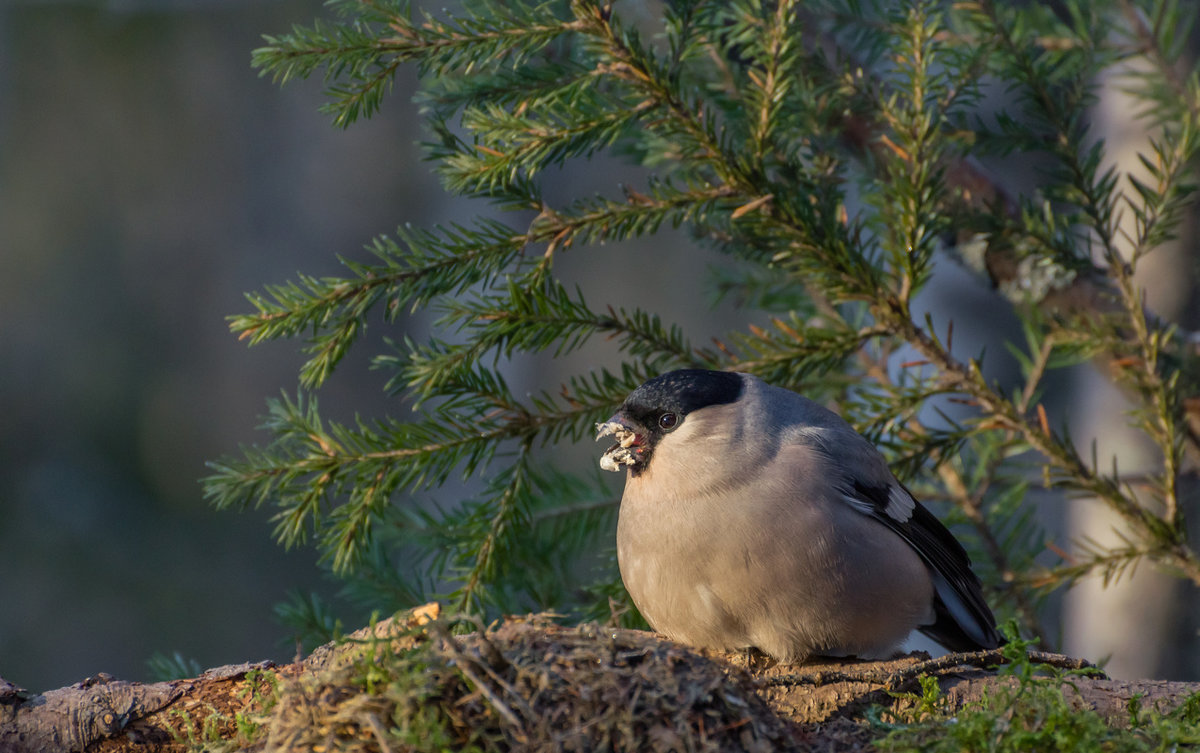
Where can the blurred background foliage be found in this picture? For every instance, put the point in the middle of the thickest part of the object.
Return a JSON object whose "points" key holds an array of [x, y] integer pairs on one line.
{"points": [[148, 179]]}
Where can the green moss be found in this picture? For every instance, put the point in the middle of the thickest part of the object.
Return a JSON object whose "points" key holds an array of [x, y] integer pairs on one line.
{"points": [[1032, 713]]}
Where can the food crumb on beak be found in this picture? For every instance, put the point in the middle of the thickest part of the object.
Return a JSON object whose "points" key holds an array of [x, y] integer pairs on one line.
{"points": [[624, 452]]}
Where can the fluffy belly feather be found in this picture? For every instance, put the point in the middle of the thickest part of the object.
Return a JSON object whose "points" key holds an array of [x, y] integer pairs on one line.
{"points": [[790, 598]]}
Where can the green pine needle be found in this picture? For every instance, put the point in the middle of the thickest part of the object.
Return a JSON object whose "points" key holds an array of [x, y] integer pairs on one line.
{"points": [[826, 151]]}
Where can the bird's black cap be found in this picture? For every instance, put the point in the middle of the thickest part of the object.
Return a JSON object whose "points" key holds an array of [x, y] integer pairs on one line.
{"points": [[684, 391]]}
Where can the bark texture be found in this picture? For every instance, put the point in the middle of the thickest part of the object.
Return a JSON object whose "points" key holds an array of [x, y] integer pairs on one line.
{"points": [[519, 675]]}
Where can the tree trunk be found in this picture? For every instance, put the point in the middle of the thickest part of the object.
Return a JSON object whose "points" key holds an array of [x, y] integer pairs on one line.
{"points": [[521, 676]]}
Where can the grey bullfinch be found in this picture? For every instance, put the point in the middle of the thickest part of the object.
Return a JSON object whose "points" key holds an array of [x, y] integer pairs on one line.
{"points": [[755, 518]]}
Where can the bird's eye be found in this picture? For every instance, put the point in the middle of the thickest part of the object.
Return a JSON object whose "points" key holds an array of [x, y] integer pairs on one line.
{"points": [[668, 421]]}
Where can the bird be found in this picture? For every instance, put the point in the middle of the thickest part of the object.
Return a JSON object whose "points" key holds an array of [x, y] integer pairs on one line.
{"points": [[754, 518]]}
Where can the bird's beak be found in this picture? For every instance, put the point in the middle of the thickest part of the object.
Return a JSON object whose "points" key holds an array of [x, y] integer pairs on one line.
{"points": [[630, 448]]}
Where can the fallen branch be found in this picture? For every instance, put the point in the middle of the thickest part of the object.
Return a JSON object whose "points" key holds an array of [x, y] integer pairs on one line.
{"points": [[525, 682]]}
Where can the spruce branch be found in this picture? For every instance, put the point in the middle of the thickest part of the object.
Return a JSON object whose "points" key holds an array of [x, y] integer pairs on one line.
{"points": [[827, 152], [506, 512], [780, 47], [790, 352], [1111, 563], [338, 479], [551, 317], [528, 320], [420, 266], [364, 53], [548, 86], [915, 186], [519, 146], [640, 213], [1160, 36], [1070, 469]]}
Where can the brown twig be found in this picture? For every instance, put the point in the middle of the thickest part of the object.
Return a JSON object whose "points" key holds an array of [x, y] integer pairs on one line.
{"points": [[895, 679]]}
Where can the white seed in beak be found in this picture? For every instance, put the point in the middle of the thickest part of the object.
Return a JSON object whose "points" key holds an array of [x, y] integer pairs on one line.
{"points": [[620, 453]]}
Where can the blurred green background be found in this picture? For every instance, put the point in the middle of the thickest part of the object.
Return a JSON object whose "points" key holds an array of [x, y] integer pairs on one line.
{"points": [[148, 178]]}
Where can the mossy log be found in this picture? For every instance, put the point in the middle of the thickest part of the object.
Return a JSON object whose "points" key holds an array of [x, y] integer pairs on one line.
{"points": [[523, 684]]}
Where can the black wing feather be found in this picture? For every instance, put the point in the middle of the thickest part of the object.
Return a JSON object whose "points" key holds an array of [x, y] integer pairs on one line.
{"points": [[946, 557]]}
